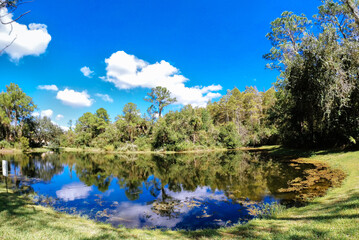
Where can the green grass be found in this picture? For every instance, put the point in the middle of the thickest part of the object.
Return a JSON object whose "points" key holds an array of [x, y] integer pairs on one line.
{"points": [[334, 216]]}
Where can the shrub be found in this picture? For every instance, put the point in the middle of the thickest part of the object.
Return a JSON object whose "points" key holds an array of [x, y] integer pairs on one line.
{"points": [[128, 147], [143, 144], [24, 143], [266, 210], [4, 144], [109, 148], [228, 136], [184, 146]]}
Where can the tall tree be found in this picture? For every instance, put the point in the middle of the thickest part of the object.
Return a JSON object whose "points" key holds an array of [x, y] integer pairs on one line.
{"points": [[131, 119], [318, 85], [16, 108], [159, 97]]}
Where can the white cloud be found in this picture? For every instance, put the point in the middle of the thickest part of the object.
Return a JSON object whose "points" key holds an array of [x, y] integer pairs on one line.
{"points": [[46, 113], [75, 99], [73, 191], [22, 40], [127, 71], [87, 72], [48, 87], [35, 114], [59, 117], [64, 128], [135, 215], [104, 97]]}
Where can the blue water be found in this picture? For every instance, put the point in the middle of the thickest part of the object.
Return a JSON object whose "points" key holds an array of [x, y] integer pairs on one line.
{"points": [[177, 192]]}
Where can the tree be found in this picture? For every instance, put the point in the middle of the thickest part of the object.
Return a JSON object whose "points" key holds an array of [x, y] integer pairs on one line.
{"points": [[102, 120], [318, 92], [131, 120], [131, 113], [45, 132], [159, 97], [15, 107]]}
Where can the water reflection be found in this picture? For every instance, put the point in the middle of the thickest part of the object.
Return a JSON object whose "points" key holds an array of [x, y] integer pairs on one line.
{"points": [[72, 191], [187, 191]]}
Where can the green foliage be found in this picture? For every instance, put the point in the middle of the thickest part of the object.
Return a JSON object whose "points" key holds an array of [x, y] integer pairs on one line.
{"points": [[318, 97], [41, 131], [159, 97], [228, 136], [24, 144], [127, 147], [143, 144], [109, 148], [68, 139], [238, 115], [250, 112], [5, 144], [267, 211], [15, 108]]}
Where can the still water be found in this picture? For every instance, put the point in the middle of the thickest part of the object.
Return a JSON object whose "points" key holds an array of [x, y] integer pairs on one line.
{"points": [[176, 191]]}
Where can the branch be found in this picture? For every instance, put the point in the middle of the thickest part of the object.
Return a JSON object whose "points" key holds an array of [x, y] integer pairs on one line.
{"points": [[354, 10], [15, 18], [2, 50]]}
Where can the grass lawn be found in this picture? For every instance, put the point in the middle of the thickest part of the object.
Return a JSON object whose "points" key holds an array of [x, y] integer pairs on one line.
{"points": [[334, 216]]}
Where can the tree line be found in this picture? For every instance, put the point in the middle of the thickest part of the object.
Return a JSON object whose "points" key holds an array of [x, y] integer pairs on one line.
{"points": [[238, 119]]}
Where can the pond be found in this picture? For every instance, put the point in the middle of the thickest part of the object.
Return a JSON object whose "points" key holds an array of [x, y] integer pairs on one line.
{"points": [[173, 191]]}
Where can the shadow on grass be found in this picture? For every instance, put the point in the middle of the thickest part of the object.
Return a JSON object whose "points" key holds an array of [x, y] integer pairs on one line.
{"points": [[19, 214], [12, 202]]}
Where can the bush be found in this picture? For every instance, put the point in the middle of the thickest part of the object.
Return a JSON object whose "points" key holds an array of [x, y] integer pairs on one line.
{"points": [[266, 210], [109, 148], [24, 143], [228, 136], [4, 144], [143, 144], [128, 147], [184, 146]]}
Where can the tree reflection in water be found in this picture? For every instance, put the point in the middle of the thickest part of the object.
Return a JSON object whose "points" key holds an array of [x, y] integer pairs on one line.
{"points": [[174, 186]]}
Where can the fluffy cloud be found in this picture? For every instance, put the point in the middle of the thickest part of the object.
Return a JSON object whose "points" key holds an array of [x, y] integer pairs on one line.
{"points": [[75, 99], [35, 114], [59, 117], [47, 113], [19, 40], [73, 191], [104, 97], [135, 215], [87, 72], [64, 128], [127, 71], [48, 87]]}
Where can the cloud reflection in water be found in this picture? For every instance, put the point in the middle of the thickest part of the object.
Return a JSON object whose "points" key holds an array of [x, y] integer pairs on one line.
{"points": [[73, 191], [135, 215]]}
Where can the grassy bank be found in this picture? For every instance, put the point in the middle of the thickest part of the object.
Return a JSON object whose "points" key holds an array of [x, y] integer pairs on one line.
{"points": [[334, 216]]}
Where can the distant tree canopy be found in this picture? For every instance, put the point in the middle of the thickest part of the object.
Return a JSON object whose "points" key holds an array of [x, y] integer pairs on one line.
{"points": [[239, 118]]}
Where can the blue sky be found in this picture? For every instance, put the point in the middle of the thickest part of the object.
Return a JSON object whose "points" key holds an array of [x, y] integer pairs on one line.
{"points": [[201, 43]]}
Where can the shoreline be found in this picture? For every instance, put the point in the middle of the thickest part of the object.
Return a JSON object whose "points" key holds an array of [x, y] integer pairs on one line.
{"points": [[98, 150]]}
